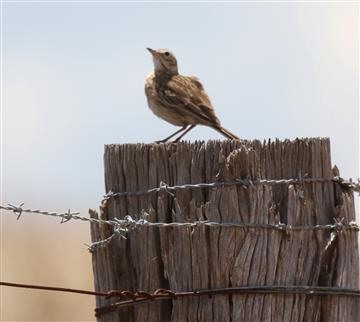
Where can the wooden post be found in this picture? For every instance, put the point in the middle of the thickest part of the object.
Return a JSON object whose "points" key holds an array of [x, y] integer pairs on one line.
{"points": [[186, 259]]}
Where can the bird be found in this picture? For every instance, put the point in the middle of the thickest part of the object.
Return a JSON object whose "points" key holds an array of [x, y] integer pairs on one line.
{"points": [[177, 99]]}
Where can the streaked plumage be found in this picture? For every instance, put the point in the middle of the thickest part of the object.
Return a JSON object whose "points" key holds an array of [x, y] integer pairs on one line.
{"points": [[179, 100]]}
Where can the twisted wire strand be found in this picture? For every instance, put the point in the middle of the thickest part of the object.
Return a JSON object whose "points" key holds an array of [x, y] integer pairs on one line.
{"points": [[128, 224], [133, 298], [65, 216], [129, 298], [163, 187], [123, 226]]}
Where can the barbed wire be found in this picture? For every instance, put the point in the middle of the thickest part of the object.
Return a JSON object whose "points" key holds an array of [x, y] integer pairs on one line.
{"points": [[128, 224], [123, 226], [65, 216], [163, 187], [129, 298]]}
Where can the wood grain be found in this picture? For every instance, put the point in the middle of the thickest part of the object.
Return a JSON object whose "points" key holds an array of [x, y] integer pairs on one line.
{"points": [[185, 259]]}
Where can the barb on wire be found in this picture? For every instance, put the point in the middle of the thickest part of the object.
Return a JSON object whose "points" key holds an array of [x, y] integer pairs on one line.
{"points": [[66, 216], [118, 231], [349, 184], [128, 224], [17, 210], [163, 187]]}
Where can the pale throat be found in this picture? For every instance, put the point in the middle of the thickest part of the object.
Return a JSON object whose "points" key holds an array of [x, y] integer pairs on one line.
{"points": [[161, 68]]}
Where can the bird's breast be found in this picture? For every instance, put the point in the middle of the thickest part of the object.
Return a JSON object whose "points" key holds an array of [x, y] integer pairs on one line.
{"points": [[161, 110]]}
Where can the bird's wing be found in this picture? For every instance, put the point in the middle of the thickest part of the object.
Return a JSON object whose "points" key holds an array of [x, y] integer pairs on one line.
{"points": [[187, 96]]}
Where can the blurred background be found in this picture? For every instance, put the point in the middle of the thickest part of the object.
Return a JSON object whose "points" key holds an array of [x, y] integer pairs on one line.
{"points": [[72, 81]]}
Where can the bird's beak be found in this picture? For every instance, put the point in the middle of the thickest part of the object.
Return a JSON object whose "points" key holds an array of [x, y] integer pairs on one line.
{"points": [[152, 51]]}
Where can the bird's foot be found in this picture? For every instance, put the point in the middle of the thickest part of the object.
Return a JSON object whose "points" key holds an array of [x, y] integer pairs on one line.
{"points": [[161, 141]]}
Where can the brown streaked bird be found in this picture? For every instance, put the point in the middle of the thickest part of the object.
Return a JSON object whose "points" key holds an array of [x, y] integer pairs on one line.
{"points": [[179, 100]]}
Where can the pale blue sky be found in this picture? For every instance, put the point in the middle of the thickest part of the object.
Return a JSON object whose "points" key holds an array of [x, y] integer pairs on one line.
{"points": [[73, 81]]}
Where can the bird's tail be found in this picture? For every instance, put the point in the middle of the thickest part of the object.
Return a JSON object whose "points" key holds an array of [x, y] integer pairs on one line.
{"points": [[226, 133]]}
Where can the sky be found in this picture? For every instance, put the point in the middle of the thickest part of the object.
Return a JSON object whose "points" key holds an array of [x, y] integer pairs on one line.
{"points": [[73, 80], [73, 77]]}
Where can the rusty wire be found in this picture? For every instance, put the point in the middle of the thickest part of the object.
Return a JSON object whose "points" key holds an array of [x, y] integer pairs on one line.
{"points": [[134, 298], [129, 298], [122, 226]]}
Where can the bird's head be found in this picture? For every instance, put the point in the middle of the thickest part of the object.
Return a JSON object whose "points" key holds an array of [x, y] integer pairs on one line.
{"points": [[164, 60]]}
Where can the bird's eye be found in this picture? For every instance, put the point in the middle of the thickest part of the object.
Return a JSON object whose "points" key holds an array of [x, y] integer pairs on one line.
{"points": [[167, 54]]}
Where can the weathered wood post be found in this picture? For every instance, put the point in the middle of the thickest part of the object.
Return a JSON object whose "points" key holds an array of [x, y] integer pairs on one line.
{"points": [[187, 259]]}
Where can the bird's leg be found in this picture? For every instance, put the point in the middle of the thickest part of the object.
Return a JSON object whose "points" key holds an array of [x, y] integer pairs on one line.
{"points": [[172, 135], [182, 134]]}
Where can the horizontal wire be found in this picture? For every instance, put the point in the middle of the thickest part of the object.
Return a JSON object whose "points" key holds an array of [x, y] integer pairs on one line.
{"points": [[123, 226], [66, 216], [161, 294], [132, 298], [128, 224], [163, 187], [52, 288]]}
